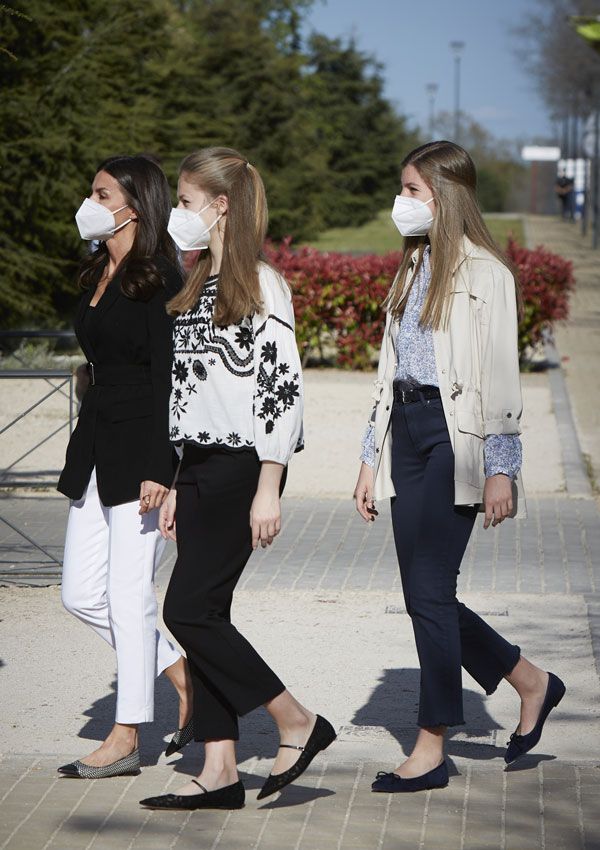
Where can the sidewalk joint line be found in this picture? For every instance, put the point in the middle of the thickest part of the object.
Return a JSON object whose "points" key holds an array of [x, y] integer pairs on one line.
{"points": [[350, 804], [29, 814], [311, 806], [424, 822], [110, 814], [463, 829]]}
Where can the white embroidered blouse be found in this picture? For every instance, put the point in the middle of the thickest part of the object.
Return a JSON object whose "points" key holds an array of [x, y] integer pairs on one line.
{"points": [[239, 387]]}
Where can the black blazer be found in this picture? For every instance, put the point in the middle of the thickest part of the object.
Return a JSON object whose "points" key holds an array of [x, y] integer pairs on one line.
{"points": [[123, 429]]}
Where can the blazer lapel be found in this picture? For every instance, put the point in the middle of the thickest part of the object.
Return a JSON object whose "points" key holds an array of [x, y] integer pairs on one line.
{"points": [[79, 324], [111, 294]]}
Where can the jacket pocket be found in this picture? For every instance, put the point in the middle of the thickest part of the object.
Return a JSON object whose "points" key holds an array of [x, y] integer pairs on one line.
{"points": [[469, 423], [131, 408]]}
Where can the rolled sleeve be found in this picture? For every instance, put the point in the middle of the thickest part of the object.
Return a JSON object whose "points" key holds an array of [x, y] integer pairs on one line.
{"points": [[502, 455]]}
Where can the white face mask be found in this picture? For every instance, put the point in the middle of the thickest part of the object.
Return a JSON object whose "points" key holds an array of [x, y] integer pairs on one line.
{"points": [[95, 221], [411, 216], [188, 229]]}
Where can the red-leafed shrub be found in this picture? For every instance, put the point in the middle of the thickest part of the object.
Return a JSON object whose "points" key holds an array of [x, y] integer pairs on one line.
{"points": [[338, 297], [546, 281], [337, 301]]}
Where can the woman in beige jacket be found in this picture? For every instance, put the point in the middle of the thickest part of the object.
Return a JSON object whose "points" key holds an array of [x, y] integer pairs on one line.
{"points": [[443, 443]]}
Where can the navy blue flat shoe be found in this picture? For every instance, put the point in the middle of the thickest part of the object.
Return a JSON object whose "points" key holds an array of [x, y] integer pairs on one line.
{"points": [[391, 783], [521, 744]]}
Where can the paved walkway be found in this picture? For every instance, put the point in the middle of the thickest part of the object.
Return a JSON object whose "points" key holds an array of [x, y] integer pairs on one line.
{"points": [[324, 606]]}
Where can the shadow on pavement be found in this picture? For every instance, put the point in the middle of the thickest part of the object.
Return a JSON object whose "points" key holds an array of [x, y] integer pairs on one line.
{"points": [[393, 705]]}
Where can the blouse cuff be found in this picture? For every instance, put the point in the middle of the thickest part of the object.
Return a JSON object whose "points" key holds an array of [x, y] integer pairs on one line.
{"points": [[502, 455], [368, 445]]}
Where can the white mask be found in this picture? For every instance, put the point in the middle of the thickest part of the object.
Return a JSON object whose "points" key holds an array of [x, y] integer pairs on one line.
{"points": [[95, 221], [411, 216], [189, 230]]}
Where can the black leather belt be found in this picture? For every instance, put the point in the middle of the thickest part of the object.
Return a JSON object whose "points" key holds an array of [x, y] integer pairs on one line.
{"points": [[407, 396], [104, 375]]}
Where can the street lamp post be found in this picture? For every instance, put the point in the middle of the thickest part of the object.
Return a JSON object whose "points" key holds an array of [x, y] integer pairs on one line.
{"points": [[588, 27], [457, 48], [431, 89]]}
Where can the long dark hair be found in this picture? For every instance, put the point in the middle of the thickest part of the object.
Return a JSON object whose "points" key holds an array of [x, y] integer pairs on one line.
{"points": [[146, 190]]}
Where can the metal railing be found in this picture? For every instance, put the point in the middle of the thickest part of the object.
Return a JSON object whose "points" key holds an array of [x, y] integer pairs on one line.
{"points": [[64, 387]]}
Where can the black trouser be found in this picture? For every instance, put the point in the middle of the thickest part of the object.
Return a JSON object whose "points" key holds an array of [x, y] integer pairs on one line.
{"points": [[431, 535], [215, 490]]}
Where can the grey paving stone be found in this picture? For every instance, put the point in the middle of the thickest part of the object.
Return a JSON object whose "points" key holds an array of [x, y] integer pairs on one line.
{"points": [[547, 805]]}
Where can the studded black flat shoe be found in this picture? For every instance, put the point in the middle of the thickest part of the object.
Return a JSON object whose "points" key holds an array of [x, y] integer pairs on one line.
{"points": [[182, 737], [321, 737], [230, 797], [128, 766]]}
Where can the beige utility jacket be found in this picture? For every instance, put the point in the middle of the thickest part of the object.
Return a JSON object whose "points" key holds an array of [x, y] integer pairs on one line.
{"points": [[478, 371]]}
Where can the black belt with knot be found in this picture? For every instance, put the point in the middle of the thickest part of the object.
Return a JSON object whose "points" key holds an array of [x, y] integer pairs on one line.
{"points": [[113, 375], [404, 395]]}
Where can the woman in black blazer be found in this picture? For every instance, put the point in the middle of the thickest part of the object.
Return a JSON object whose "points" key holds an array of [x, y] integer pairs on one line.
{"points": [[120, 462]]}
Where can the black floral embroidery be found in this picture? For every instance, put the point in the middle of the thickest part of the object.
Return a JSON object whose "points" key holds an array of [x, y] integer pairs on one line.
{"points": [[195, 333], [180, 371], [269, 352], [191, 389], [243, 337], [178, 406], [203, 437], [276, 396], [234, 439], [174, 432], [287, 393]]}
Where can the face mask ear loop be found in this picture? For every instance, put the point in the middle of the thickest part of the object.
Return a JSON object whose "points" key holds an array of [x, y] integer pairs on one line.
{"points": [[129, 220]]}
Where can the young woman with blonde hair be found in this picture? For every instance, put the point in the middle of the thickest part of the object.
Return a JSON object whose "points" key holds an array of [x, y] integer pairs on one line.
{"points": [[443, 443], [236, 408]]}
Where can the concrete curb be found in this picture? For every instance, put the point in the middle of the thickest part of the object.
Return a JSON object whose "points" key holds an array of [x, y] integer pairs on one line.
{"points": [[576, 477]]}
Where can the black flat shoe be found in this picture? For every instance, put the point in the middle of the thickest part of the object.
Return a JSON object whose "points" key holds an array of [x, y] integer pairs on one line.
{"points": [[521, 744], [182, 737], [230, 797], [321, 737], [391, 783], [128, 766]]}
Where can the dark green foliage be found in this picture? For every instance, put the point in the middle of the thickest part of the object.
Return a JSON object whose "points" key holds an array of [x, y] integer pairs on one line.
{"points": [[84, 79], [363, 139]]}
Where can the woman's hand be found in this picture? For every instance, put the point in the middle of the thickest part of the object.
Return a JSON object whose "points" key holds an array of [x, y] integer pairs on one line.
{"points": [[265, 516], [363, 494], [497, 499], [152, 495], [166, 518]]}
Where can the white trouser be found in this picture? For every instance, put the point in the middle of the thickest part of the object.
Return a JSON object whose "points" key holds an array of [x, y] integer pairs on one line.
{"points": [[108, 582]]}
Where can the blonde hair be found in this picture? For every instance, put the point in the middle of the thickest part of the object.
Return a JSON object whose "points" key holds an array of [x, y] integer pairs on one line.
{"points": [[224, 171], [450, 173]]}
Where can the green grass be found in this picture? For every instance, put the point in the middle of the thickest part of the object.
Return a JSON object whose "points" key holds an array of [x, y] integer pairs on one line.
{"points": [[381, 235]]}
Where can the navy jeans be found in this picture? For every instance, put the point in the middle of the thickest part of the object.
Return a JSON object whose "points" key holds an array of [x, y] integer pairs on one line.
{"points": [[431, 535]]}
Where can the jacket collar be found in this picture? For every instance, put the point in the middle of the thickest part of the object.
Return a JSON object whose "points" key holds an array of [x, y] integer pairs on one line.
{"points": [[466, 249]]}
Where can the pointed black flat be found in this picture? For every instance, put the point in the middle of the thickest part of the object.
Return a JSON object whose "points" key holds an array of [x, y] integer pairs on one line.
{"points": [[321, 737], [182, 737], [230, 797], [521, 744]]}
